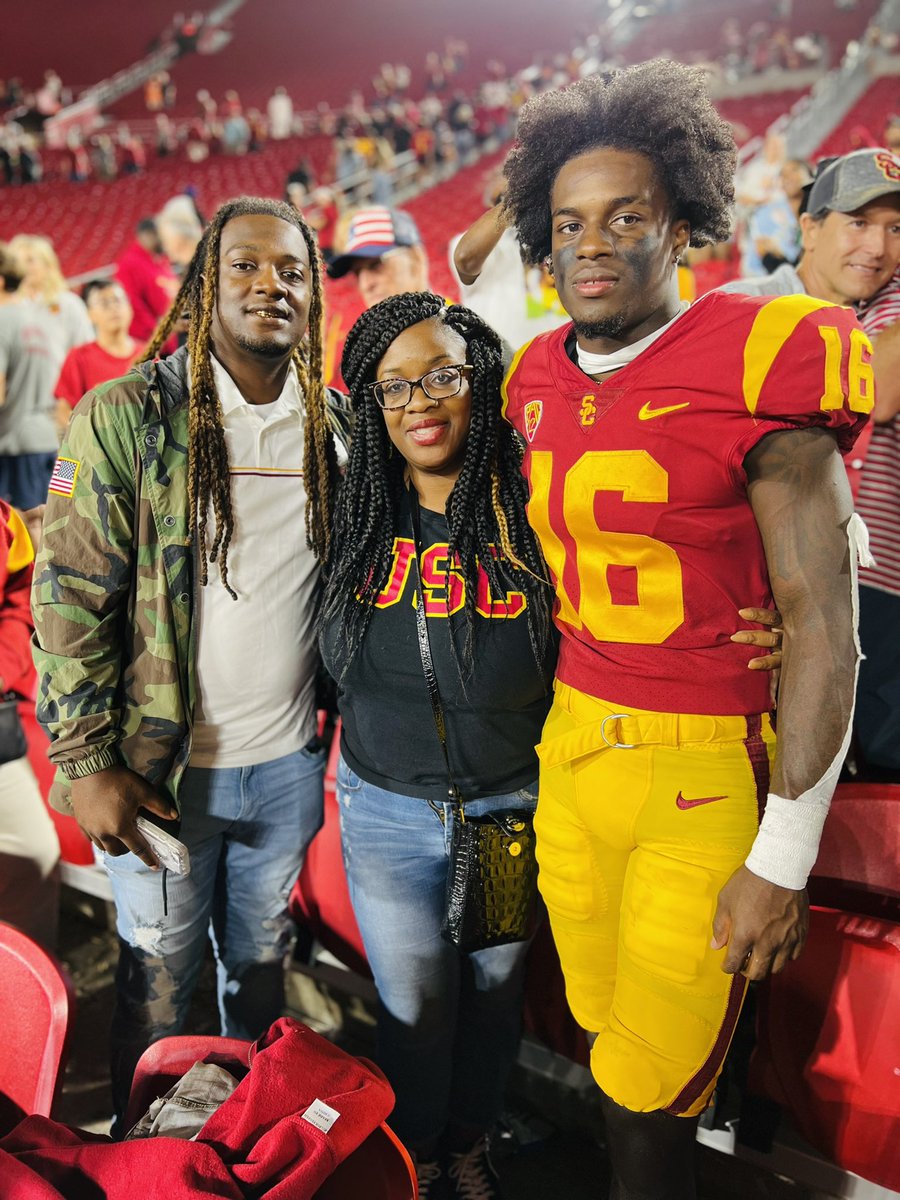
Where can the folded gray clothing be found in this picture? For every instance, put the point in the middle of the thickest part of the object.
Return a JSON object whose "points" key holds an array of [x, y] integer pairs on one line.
{"points": [[185, 1108]]}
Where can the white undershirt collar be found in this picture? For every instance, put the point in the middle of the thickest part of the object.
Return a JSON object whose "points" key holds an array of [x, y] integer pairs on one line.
{"points": [[601, 364]]}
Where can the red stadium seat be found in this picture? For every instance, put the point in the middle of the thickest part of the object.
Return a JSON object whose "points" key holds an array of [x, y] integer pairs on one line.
{"points": [[864, 124], [37, 1007], [858, 868], [381, 1169], [828, 1040], [752, 115]]}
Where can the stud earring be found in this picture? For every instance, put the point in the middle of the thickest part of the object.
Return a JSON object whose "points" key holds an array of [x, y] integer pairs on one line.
{"points": [[548, 263]]}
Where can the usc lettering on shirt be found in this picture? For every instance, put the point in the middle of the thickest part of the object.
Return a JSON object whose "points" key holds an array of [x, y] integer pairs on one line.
{"points": [[443, 584], [494, 712], [638, 488]]}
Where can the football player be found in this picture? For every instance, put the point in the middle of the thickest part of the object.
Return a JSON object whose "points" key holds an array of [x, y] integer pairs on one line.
{"points": [[681, 459]]}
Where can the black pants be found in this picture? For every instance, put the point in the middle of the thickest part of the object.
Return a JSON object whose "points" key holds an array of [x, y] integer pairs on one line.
{"points": [[877, 720]]}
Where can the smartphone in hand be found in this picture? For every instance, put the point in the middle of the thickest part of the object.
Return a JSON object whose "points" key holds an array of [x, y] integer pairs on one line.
{"points": [[172, 854]]}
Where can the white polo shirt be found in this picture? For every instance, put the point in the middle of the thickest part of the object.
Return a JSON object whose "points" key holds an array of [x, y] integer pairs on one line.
{"points": [[256, 656]]}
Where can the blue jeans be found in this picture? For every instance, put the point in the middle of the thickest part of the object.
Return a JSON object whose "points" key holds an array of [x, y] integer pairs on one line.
{"points": [[247, 830], [449, 1023], [24, 478]]}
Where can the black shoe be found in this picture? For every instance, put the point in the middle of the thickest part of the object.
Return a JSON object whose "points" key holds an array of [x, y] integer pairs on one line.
{"points": [[472, 1175], [431, 1176]]}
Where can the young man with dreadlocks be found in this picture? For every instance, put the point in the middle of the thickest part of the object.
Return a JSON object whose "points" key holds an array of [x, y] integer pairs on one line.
{"points": [[171, 689], [429, 442], [680, 460]]}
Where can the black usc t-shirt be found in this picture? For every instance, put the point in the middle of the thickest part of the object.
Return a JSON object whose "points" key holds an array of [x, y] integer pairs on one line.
{"points": [[494, 716]]}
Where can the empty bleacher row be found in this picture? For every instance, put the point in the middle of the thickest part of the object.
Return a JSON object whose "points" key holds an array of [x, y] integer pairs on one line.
{"points": [[864, 124], [752, 115], [325, 61]]}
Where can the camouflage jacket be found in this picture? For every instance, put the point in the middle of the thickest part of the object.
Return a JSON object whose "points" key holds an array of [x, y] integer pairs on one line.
{"points": [[113, 594]]}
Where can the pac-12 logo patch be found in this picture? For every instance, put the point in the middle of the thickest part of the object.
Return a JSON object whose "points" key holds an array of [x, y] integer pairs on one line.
{"points": [[534, 410]]}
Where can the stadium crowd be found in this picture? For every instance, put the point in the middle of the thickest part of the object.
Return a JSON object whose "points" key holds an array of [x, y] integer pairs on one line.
{"points": [[242, 484]]}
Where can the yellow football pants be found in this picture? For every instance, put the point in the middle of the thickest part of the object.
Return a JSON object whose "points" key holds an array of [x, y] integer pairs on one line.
{"points": [[642, 818]]}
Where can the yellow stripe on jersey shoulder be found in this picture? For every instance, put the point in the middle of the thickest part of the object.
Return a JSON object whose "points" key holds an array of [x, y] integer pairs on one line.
{"points": [[21, 551], [513, 367], [774, 324]]}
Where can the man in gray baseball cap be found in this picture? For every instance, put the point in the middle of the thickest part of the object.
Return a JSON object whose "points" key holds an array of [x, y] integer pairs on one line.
{"points": [[851, 227], [850, 231]]}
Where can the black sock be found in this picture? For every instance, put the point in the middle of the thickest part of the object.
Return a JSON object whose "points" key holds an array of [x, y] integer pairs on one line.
{"points": [[652, 1154]]}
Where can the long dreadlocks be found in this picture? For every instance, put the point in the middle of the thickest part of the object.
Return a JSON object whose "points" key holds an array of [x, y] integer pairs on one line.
{"points": [[208, 475], [485, 511]]}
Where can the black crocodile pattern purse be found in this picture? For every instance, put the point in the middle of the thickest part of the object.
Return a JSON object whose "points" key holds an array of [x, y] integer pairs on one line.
{"points": [[491, 881]]}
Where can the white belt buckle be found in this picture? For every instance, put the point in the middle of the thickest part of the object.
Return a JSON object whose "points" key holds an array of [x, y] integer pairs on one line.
{"points": [[615, 745]]}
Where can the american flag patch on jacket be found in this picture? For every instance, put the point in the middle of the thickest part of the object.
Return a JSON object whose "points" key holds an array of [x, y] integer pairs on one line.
{"points": [[62, 481]]}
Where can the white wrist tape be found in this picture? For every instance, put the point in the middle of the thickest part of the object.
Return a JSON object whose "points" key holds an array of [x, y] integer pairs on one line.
{"points": [[787, 843]]}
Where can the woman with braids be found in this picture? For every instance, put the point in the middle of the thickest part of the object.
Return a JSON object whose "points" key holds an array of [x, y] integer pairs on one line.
{"points": [[174, 607], [429, 442]]}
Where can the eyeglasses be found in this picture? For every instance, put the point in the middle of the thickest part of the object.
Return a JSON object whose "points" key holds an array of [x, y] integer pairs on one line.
{"points": [[108, 302], [439, 384]]}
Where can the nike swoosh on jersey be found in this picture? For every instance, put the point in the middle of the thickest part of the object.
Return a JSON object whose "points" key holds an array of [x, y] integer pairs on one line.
{"points": [[647, 413], [684, 802]]}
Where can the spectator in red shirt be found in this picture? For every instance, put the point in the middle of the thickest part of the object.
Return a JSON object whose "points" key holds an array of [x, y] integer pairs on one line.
{"points": [[111, 355], [148, 279]]}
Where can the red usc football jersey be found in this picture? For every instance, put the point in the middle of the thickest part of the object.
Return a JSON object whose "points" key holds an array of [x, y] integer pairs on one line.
{"points": [[638, 489]]}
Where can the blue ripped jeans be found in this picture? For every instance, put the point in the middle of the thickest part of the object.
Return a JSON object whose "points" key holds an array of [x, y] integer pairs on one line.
{"points": [[448, 1023], [247, 830]]}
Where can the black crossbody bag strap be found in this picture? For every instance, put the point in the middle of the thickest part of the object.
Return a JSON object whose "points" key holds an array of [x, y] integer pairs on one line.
{"points": [[437, 708]]}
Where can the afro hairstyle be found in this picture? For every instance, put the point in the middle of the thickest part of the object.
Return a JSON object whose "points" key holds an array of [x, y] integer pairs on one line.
{"points": [[660, 109]]}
